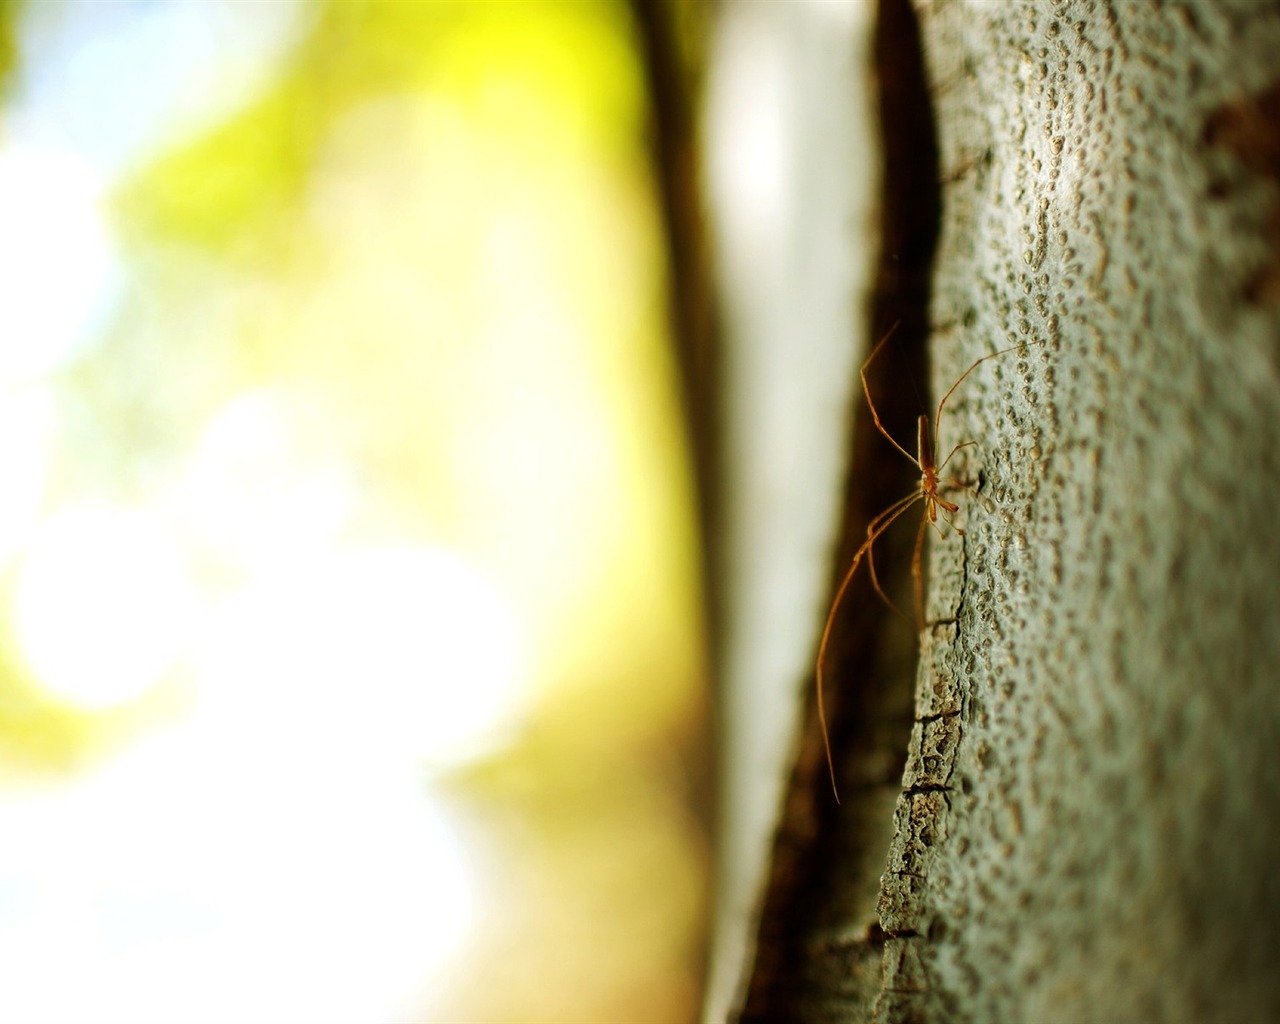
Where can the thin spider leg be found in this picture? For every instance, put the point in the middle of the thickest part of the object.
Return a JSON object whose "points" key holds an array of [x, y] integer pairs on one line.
{"points": [[884, 520], [874, 529], [947, 517], [945, 509], [892, 510], [866, 390], [918, 577], [963, 444], [942, 533], [905, 501], [916, 560], [937, 417], [875, 582]]}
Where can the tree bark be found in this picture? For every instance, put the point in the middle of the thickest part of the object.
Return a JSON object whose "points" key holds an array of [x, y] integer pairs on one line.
{"points": [[1089, 813]]}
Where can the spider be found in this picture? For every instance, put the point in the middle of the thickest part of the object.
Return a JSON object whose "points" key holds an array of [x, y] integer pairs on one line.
{"points": [[927, 490]]}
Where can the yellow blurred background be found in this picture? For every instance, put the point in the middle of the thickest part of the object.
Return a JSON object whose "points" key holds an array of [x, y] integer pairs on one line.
{"points": [[352, 652]]}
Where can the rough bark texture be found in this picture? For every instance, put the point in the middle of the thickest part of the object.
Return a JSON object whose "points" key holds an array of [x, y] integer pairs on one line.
{"points": [[1089, 817], [1092, 809]]}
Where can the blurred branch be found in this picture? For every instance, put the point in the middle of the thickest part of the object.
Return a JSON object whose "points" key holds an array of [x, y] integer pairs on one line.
{"points": [[671, 73]]}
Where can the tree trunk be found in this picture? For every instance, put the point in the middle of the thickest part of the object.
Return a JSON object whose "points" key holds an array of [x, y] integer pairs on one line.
{"points": [[1088, 819]]}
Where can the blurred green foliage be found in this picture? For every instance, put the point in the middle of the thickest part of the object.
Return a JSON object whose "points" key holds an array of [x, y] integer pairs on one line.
{"points": [[10, 10], [436, 225], [506, 64]]}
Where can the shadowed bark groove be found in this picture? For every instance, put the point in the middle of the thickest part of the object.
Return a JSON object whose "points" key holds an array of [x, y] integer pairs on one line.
{"points": [[820, 944]]}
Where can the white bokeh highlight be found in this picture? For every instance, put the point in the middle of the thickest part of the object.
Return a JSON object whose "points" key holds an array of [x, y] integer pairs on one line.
{"points": [[58, 273], [102, 605]]}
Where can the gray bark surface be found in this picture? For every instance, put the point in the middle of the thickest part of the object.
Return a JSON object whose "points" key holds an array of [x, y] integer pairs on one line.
{"points": [[1088, 821], [1091, 809]]}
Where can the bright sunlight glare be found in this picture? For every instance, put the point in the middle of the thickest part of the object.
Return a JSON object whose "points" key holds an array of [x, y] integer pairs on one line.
{"points": [[56, 261], [182, 884], [27, 425], [262, 488], [403, 654], [102, 605]]}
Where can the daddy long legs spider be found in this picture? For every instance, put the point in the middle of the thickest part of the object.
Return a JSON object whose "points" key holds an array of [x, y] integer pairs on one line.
{"points": [[927, 490]]}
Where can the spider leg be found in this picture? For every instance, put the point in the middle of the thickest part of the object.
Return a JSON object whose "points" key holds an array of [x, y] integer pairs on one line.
{"points": [[875, 582], [866, 390], [962, 444], [918, 576], [876, 527], [937, 419]]}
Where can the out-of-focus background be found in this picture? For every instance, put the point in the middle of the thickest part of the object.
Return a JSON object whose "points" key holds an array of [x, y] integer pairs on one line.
{"points": [[352, 659]]}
